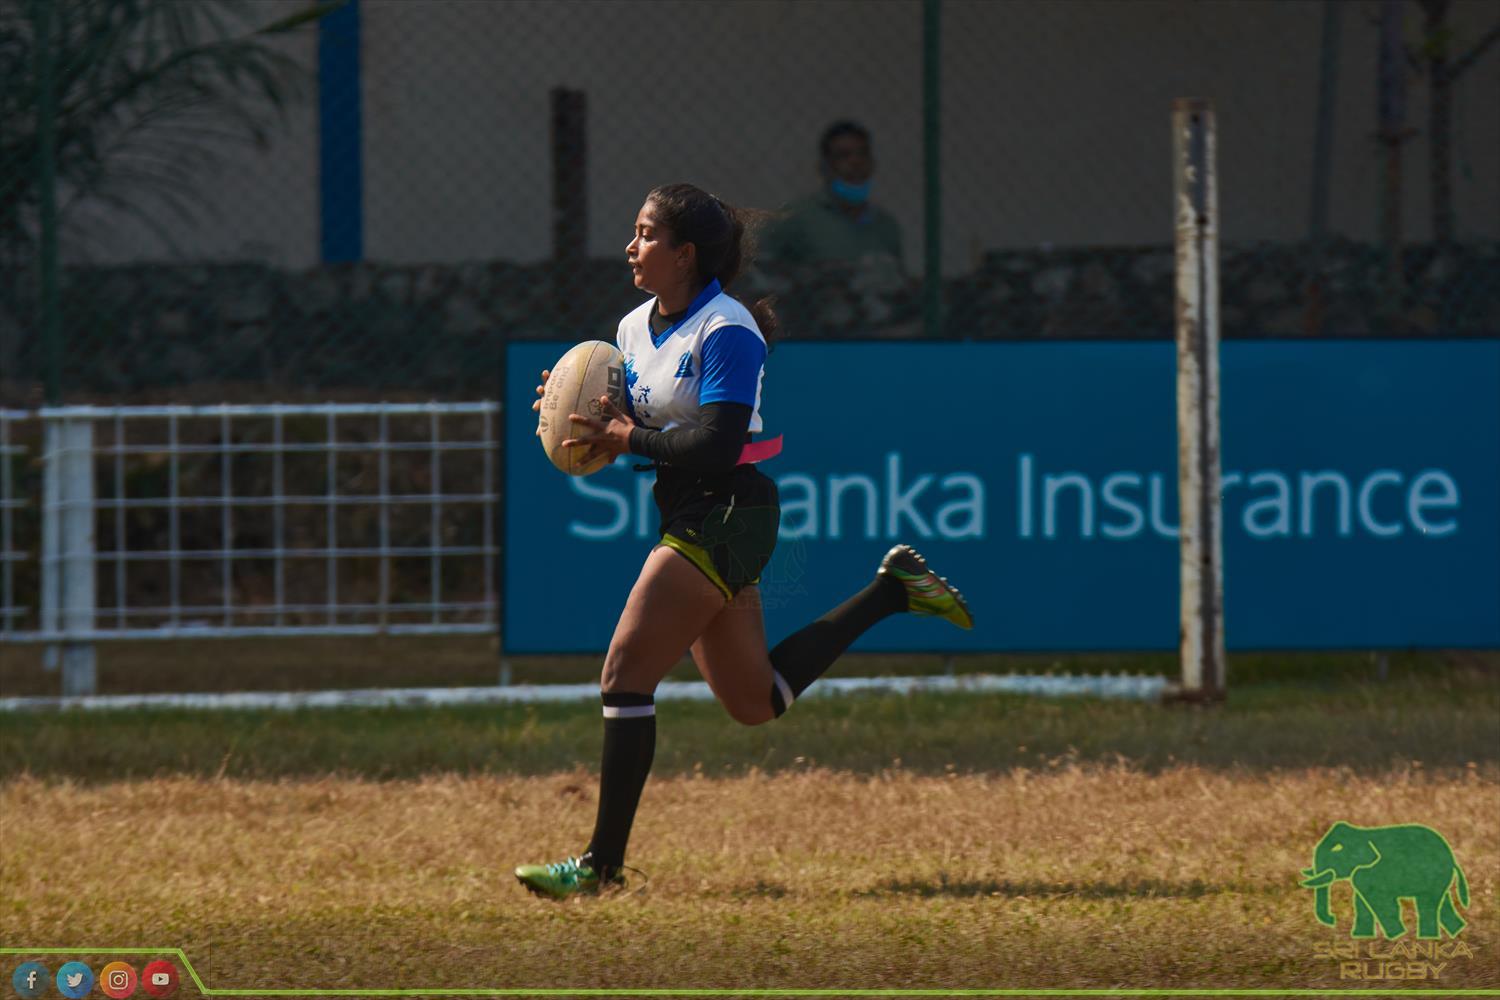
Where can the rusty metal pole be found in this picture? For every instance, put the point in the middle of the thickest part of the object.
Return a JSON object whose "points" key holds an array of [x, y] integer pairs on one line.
{"points": [[570, 216], [1195, 193]]}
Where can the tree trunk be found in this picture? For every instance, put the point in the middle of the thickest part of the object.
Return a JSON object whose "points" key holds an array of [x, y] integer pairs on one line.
{"points": [[1439, 118], [1391, 104], [1316, 290]]}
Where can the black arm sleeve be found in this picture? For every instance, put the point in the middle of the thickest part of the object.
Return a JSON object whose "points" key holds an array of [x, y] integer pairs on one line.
{"points": [[714, 446]]}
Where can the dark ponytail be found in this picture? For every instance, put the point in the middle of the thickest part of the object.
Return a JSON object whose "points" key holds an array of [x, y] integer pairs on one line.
{"points": [[719, 231]]}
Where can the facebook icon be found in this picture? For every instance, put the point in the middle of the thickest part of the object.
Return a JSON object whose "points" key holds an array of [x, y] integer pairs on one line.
{"points": [[29, 979]]}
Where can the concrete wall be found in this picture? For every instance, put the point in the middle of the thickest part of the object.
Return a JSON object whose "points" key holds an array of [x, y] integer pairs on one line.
{"points": [[257, 204], [1054, 122]]}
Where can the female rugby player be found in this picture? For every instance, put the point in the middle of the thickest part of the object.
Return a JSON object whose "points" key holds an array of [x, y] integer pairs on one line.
{"points": [[694, 357]]}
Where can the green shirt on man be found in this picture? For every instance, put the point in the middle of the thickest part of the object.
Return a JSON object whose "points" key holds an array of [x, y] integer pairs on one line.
{"points": [[816, 229]]}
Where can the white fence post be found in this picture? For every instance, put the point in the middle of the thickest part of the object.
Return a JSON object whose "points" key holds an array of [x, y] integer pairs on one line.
{"points": [[49, 620], [78, 589], [68, 592], [1197, 251]]}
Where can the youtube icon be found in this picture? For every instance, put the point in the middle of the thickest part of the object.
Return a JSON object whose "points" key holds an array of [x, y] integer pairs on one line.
{"points": [[159, 978]]}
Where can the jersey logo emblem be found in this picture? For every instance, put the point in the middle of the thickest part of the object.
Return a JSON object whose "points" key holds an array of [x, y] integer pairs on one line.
{"points": [[685, 365]]}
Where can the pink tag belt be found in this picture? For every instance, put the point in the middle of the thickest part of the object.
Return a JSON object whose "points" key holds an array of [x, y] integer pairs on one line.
{"points": [[759, 451]]}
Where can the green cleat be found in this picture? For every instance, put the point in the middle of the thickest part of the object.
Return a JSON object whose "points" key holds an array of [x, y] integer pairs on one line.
{"points": [[572, 877], [926, 592]]}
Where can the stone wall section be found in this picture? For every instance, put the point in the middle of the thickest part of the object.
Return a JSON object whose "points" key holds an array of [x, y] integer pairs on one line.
{"points": [[240, 331]]}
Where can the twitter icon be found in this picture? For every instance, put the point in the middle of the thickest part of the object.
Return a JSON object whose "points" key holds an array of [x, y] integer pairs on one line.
{"points": [[74, 980]]}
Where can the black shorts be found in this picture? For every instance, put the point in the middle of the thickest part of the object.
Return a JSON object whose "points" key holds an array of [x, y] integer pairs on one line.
{"points": [[724, 524]]}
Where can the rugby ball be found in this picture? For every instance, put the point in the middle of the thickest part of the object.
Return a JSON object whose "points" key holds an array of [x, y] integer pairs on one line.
{"points": [[588, 371]]}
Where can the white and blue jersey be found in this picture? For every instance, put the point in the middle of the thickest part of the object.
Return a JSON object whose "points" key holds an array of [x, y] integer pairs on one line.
{"points": [[714, 354]]}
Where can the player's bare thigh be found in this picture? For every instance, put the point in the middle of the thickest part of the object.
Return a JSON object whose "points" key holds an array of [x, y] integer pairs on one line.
{"points": [[731, 655], [671, 604]]}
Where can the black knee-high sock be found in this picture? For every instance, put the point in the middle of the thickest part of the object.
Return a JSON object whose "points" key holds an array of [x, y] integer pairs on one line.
{"points": [[803, 656], [629, 747]]}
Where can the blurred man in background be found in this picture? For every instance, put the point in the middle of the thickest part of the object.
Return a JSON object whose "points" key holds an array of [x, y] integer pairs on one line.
{"points": [[838, 223]]}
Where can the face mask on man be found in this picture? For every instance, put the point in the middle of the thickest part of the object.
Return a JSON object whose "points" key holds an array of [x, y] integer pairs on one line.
{"points": [[854, 194]]}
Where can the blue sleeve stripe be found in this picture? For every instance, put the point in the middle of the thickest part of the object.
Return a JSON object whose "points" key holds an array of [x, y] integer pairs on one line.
{"points": [[732, 357]]}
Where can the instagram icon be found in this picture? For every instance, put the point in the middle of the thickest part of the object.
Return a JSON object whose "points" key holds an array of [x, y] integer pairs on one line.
{"points": [[117, 980]]}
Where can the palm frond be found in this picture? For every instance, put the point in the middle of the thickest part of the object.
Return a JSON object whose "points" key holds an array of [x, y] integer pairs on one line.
{"points": [[149, 94], [306, 16]]}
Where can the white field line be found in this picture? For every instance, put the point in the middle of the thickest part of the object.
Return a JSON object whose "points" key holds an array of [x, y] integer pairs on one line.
{"points": [[1131, 687]]}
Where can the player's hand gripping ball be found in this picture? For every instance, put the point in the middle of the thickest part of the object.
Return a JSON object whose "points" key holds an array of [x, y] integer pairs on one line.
{"points": [[579, 417]]}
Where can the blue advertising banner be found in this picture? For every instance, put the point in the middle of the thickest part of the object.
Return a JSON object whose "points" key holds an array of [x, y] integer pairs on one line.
{"points": [[1361, 495]]}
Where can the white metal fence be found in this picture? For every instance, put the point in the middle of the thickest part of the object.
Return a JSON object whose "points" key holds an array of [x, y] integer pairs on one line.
{"points": [[218, 521]]}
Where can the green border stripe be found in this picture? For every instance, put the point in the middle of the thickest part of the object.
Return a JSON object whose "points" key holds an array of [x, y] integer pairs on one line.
{"points": [[1035, 992]]}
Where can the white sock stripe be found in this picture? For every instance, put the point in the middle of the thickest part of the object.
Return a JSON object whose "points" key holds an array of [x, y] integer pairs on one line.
{"points": [[786, 689], [628, 711]]}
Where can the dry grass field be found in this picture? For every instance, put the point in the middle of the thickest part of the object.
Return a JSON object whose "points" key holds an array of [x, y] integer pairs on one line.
{"points": [[930, 842], [1067, 877]]}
